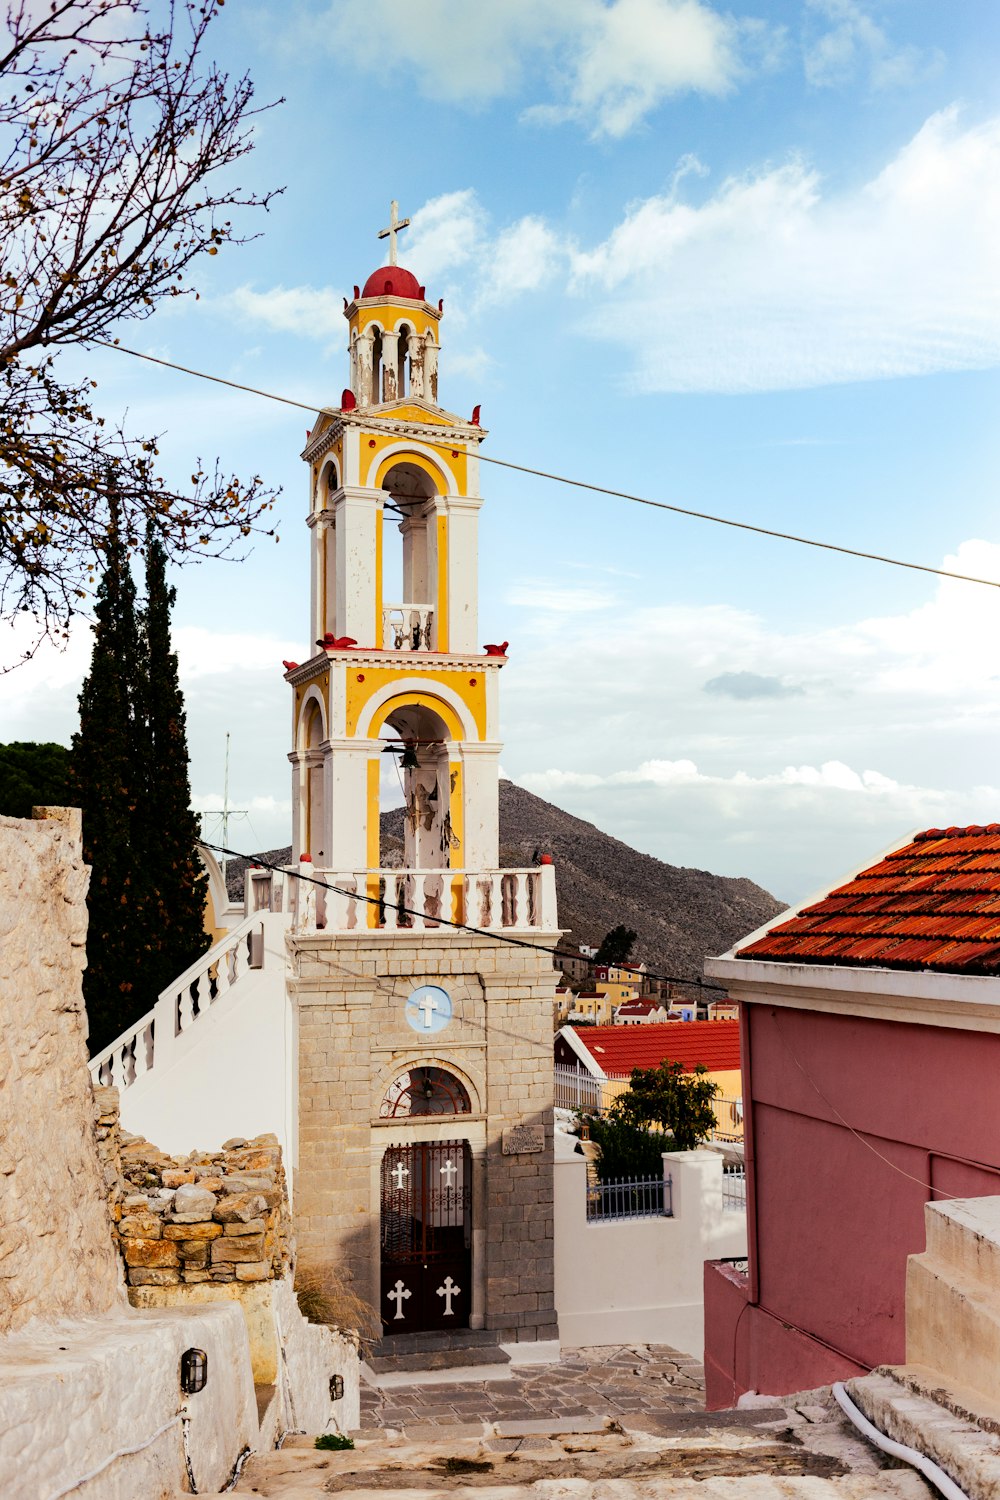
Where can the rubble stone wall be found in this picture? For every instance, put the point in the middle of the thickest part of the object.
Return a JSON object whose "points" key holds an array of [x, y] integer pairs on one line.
{"points": [[208, 1217], [57, 1256]]}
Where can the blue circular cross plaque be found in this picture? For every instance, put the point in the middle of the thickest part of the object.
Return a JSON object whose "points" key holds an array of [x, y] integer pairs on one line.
{"points": [[428, 1009]]}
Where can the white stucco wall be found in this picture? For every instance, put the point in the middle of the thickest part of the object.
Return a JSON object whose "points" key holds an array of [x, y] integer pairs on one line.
{"points": [[230, 1073], [74, 1393], [641, 1279], [310, 1355]]}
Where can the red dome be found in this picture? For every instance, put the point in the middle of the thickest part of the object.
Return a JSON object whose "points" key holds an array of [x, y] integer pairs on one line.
{"points": [[393, 281]]}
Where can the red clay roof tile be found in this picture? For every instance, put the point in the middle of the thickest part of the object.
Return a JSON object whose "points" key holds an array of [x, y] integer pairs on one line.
{"points": [[619, 1049], [933, 904]]}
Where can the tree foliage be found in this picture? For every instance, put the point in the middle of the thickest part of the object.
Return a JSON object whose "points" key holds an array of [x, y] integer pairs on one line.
{"points": [[178, 884], [676, 1101], [32, 775], [616, 946], [109, 760], [627, 1150], [117, 144], [130, 777]]}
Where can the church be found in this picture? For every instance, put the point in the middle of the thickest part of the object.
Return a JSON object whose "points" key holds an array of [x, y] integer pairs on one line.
{"points": [[390, 1008]]}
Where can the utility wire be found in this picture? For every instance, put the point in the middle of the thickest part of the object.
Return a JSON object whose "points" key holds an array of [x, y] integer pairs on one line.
{"points": [[498, 935], [581, 484]]}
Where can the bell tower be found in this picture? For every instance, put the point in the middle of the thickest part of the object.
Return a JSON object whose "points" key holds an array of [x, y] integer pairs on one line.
{"points": [[422, 976]]}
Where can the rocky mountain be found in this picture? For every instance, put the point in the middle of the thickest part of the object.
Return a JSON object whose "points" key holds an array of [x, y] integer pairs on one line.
{"points": [[681, 916]]}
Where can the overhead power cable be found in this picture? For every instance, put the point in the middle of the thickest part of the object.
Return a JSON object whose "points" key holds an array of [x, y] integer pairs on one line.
{"points": [[581, 484], [497, 934]]}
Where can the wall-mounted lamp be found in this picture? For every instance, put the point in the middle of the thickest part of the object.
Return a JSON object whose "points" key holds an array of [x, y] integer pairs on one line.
{"points": [[336, 1387], [194, 1371]]}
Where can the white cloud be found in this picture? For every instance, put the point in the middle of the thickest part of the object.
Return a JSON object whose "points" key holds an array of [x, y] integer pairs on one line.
{"points": [[312, 312], [895, 727], [854, 44], [608, 63], [772, 283]]}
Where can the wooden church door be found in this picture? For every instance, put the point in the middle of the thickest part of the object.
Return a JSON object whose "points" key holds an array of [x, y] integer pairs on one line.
{"points": [[426, 1236]]}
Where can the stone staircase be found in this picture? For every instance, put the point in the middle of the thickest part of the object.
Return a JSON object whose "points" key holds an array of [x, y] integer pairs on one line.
{"points": [[770, 1453]]}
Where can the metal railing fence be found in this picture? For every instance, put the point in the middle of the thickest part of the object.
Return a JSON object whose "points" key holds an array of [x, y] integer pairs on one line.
{"points": [[734, 1189], [630, 1198]]}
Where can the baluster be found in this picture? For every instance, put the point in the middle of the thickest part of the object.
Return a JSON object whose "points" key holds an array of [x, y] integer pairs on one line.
{"points": [[185, 1009], [389, 910], [507, 907], [431, 905], [143, 1055], [118, 1079], [531, 891]]}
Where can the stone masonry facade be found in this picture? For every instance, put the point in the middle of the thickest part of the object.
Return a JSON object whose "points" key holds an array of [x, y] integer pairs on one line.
{"points": [[354, 1041], [57, 1259]]}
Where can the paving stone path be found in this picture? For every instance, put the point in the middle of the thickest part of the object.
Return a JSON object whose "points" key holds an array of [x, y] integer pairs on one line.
{"points": [[618, 1380]]}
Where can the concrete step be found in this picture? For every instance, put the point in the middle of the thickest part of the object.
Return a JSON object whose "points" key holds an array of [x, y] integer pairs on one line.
{"points": [[965, 1234], [912, 1405]]}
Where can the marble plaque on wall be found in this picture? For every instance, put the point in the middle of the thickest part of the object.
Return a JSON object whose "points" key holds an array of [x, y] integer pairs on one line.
{"points": [[521, 1138]]}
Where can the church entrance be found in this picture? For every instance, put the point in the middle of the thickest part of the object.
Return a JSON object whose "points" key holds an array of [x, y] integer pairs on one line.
{"points": [[426, 1236]]}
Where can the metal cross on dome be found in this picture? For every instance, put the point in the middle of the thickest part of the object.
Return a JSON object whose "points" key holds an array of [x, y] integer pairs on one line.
{"points": [[395, 225]]}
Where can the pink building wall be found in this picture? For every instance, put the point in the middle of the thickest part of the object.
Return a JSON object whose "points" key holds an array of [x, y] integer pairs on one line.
{"points": [[833, 1211]]}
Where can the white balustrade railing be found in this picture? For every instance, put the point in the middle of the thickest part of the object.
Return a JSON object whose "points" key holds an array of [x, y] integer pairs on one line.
{"points": [[426, 900], [180, 1006], [407, 627]]}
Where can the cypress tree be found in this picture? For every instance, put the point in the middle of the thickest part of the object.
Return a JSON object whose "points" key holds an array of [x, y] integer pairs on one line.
{"points": [[179, 888], [107, 771]]}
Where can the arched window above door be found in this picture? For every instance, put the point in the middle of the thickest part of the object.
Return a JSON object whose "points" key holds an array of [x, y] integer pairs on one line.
{"points": [[425, 1091]]}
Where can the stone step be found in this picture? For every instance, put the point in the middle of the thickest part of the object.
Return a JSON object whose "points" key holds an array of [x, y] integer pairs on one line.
{"points": [[457, 1338], [476, 1355], [912, 1405]]}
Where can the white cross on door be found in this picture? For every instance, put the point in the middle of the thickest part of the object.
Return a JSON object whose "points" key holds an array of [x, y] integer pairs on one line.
{"points": [[398, 1295], [448, 1291], [400, 1173], [449, 1171]]}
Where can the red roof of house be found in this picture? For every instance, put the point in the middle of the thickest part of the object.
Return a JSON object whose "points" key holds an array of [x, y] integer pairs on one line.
{"points": [[637, 1007], [619, 1049], [934, 904]]}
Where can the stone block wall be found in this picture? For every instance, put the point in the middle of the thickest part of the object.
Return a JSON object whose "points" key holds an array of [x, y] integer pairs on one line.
{"points": [[57, 1258], [350, 991], [208, 1217]]}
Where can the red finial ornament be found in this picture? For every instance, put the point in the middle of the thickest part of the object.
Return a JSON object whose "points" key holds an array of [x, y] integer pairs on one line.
{"points": [[475, 416], [348, 401], [501, 650], [336, 642], [289, 666]]}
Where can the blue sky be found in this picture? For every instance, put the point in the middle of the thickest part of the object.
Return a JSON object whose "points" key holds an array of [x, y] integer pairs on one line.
{"points": [[740, 259]]}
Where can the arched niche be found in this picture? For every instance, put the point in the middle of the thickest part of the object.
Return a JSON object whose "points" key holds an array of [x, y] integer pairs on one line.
{"points": [[311, 736], [407, 551], [422, 1091], [418, 738]]}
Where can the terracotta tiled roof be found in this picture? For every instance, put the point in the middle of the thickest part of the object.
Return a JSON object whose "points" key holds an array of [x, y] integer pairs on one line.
{"points": [[637, 1007], [934, 904], [619, 1049]]}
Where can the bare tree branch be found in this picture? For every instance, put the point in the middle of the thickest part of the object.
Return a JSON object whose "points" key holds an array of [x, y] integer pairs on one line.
{"points": [[117, 149]]}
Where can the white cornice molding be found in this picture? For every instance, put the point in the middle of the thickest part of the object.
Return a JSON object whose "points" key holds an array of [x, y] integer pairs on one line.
{"points": [[416, 661], [371, 419], [966, 1002]]}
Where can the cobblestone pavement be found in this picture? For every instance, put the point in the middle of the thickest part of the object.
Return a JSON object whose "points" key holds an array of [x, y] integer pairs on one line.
{"points": [[612, 1381]]}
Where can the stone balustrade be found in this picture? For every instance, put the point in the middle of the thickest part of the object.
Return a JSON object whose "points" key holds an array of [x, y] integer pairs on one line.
{"points": [[407, 627], [180, 1006], [426, 900]]}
